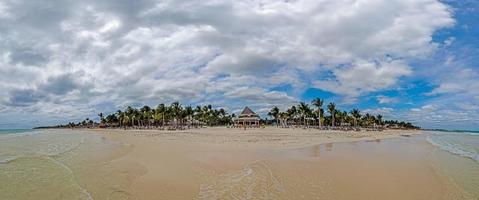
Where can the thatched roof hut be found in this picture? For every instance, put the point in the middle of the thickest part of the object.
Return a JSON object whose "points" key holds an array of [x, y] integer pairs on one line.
{"points": [[247, 117]]}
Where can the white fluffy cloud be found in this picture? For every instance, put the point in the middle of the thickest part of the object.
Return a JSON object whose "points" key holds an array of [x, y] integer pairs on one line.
{"points": [[384, 111], [4, 13], [453, 101], [460, 79], [385, 99], [443, 115], [78, 56], [363, 77]]}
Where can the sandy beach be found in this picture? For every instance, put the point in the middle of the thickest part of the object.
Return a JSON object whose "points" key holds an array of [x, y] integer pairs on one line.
{"points": [[262, 138], [276, 163]]}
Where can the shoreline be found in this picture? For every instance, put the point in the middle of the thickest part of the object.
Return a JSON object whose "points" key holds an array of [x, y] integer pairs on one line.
{"points": [[269, 137]]}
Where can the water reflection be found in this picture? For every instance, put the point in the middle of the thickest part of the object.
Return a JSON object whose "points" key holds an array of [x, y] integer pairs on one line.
{"points": [[375, 140], [329, 146], [316, 151]]}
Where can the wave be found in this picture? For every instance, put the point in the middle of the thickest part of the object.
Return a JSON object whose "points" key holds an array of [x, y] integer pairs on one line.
{"points": [[9, 134], [468, 132], [32, 171], [58, 149], [453, 146], [83, 190], [254, 181], [7, 159], [9, 131]]}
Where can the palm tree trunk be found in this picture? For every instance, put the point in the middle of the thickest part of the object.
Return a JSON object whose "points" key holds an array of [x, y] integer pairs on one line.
{"points": [[319, 118]]}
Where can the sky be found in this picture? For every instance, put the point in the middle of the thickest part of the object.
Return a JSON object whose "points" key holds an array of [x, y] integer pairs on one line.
{"points": [[413, 60]]}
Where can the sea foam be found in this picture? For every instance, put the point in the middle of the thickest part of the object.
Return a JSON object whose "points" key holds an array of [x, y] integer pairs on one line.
{"points": [[7, 159], [460, 144]]}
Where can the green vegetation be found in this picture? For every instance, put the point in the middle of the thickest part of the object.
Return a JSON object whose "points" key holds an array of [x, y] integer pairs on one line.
{"points": [[176, 116], [305, 116]]}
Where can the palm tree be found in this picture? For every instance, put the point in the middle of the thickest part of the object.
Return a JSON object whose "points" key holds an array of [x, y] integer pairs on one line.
{"points": [[111, 118], [189, 113], [369, 119], [214, 117], [339, 117], [160, 113], [206, 112], [283, 118], [332, 111], [130, 113], [292, 113], [176, 109], [304, 110], [102, 120], [379, 119], [319, 104], [145, 113], [126, 119], [120, 115], [274, 113], [198, 114], [356, 115]]}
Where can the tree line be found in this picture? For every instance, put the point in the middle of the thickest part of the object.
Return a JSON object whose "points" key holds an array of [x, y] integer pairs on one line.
{"points": [[305, 115], [174, 115], [177, 116]]}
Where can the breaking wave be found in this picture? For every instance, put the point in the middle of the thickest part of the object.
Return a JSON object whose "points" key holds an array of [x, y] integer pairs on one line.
{"points": [[465, 145]]}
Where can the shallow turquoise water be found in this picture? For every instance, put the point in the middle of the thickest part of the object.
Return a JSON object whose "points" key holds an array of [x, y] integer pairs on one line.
{"points": [[15, 131], [458, 157], [465, 144], [57, 164]]}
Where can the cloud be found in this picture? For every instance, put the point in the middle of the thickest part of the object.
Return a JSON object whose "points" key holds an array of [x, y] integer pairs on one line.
{"points": [[81, 55], [385, 99], [458, 80], [384, 111], [449, 41], [426, 108], [440, 115], [23, 97], [256, 95], [4, 10], [468, 106], [363, 77]]}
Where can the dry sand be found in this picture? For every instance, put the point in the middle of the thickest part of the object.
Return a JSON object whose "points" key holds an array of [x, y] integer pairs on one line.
{"points": [[270, 137], [276, 163]]}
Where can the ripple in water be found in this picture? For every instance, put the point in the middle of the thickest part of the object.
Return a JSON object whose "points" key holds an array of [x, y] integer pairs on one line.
{"points": [[254, 181], [464, 172], [61, 165], [465, 145]]}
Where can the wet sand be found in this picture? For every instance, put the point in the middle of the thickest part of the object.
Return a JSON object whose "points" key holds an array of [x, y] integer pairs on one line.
{"points": [[273, 163], [65, 164]]}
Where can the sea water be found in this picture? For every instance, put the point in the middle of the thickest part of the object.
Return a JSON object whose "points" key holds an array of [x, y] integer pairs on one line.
{"points": [[464, 144], [458, 157], [59, 164]]}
